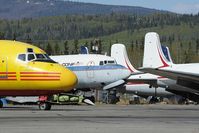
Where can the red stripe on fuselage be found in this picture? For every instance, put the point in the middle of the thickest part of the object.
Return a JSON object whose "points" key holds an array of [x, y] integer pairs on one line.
{"points": [[3, 79], [39, 73], [7, 76], [136, 83], [40, 76], [40, 79]]}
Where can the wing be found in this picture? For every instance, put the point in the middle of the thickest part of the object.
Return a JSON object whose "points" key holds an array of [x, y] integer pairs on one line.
{"points": [[172, 74], [187, 79], [143, 78]]}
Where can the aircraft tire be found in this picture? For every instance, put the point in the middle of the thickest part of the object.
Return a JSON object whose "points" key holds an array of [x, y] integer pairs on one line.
{"points": [[153, 100], [44, 106]]}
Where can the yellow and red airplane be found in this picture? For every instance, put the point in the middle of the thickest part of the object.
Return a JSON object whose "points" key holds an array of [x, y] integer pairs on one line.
{"points": [[26, 70]]}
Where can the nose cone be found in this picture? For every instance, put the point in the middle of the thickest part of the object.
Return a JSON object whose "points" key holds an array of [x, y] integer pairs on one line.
{"points": [[68, 80]]}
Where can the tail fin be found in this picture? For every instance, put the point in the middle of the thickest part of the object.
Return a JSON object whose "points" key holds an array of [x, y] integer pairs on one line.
{"points": [[119, 53], [153, 52]]}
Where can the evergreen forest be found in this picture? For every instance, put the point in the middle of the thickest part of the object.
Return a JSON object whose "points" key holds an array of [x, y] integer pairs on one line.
{"points": [[65, 34]]}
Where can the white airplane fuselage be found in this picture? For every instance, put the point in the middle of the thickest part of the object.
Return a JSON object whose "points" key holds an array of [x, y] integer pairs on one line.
{"points": [[142, 84], [92, 70], [142, 89]]}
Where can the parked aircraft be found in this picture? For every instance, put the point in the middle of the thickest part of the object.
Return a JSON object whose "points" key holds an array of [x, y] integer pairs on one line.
{"points": [[26, 70], [144, 90], [184, 78], [94, 70], [138, 82]]}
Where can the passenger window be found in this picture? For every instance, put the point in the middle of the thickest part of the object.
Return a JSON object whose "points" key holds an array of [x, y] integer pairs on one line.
{"points": [[111, 62], [101, 63], [22, 57], [105, 62], [31, 57]]}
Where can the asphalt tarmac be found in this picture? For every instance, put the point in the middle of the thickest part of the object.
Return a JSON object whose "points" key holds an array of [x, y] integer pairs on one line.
{"points": [[101, 119]]}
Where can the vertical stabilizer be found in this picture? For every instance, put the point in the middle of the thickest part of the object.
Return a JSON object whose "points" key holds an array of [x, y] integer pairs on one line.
{"points": [[153, 53], [119, 53]]}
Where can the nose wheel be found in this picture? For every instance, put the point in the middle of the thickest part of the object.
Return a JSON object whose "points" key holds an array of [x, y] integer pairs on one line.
{"points": [[44, 106]]}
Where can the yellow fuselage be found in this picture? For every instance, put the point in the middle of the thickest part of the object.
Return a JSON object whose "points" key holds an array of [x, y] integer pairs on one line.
{"points": [[30, 77]]}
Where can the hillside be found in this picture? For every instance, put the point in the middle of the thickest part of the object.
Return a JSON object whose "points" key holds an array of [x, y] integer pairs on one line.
{"points": [[183, 41], [17, 9], [64, 34], [82, 26]]}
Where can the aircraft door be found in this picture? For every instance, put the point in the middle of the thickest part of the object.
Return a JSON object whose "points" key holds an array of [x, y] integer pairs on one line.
{"points": [[3, 67], [90, 70]]}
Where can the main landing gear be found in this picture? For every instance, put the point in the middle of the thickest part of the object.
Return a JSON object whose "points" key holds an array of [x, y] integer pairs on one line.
{"points": [[154, 98]]}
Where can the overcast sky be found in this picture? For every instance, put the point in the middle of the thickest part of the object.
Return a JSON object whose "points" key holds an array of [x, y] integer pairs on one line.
{"points": [[178, 6]]}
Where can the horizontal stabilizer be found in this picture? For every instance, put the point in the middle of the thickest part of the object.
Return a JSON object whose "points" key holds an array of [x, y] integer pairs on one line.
{"points": [[114, 84], [89, 102]]}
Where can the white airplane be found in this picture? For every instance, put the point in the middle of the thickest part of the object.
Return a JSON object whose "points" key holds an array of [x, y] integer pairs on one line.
{"points": [[94, 70], [183, 78], [138, 82]]}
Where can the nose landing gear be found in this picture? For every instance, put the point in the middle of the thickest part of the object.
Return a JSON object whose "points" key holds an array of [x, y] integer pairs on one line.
{"points": [[44, 106]]}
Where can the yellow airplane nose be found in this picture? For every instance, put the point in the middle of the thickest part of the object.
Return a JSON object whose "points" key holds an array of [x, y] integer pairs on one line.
{"points": [[68, 79]]}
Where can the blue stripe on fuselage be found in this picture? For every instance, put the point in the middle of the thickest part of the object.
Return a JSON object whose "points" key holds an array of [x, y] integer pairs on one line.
{"points": [[88, 68]]}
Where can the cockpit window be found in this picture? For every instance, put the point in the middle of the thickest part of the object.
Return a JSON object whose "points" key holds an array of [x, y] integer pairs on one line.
{"points": [[40, 56], [37, 57], [31, 57], [47, 56], [101, 63], [43, 58], [22, 57]]}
